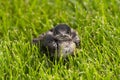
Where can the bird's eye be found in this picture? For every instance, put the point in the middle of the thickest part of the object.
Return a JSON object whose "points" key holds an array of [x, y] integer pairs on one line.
{"points": [[57, 32], [49, 41], [68, 32]]}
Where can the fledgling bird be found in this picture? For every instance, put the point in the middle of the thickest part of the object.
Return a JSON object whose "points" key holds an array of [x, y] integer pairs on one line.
{"points": [[60, 40]]}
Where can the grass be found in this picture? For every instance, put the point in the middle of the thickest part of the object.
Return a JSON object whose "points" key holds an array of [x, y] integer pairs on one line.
{"points": [[98, 25]]}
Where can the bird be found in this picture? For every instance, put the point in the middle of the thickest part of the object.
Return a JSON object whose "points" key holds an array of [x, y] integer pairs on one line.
{"points": [[60, 40]]}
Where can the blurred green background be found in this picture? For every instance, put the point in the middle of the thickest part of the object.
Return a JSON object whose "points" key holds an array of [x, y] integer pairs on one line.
{"points": [[98, 25]]}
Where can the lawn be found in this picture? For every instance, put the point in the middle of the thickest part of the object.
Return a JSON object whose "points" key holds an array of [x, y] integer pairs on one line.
{"points": [[98, 25]]}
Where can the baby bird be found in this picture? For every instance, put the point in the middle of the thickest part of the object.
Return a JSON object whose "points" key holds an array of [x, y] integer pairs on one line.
{"points": [[61, 40]]}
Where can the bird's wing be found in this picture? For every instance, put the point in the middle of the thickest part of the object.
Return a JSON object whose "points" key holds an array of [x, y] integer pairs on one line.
{"points": [[42, 36], [38, 39], [75, 37]]}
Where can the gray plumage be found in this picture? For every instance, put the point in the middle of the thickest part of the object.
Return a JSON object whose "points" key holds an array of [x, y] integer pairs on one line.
{"points": [[60, 40]]}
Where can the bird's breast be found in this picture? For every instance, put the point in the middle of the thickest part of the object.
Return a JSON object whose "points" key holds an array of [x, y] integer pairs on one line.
{"points": [[66, 48]]}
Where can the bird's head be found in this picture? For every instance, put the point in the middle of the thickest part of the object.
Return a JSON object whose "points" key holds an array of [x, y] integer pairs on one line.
{"points": [[62, 32]]}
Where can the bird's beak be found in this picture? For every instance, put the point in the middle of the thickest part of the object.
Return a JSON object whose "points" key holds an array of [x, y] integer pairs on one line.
{"points": [[63, 37]]}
